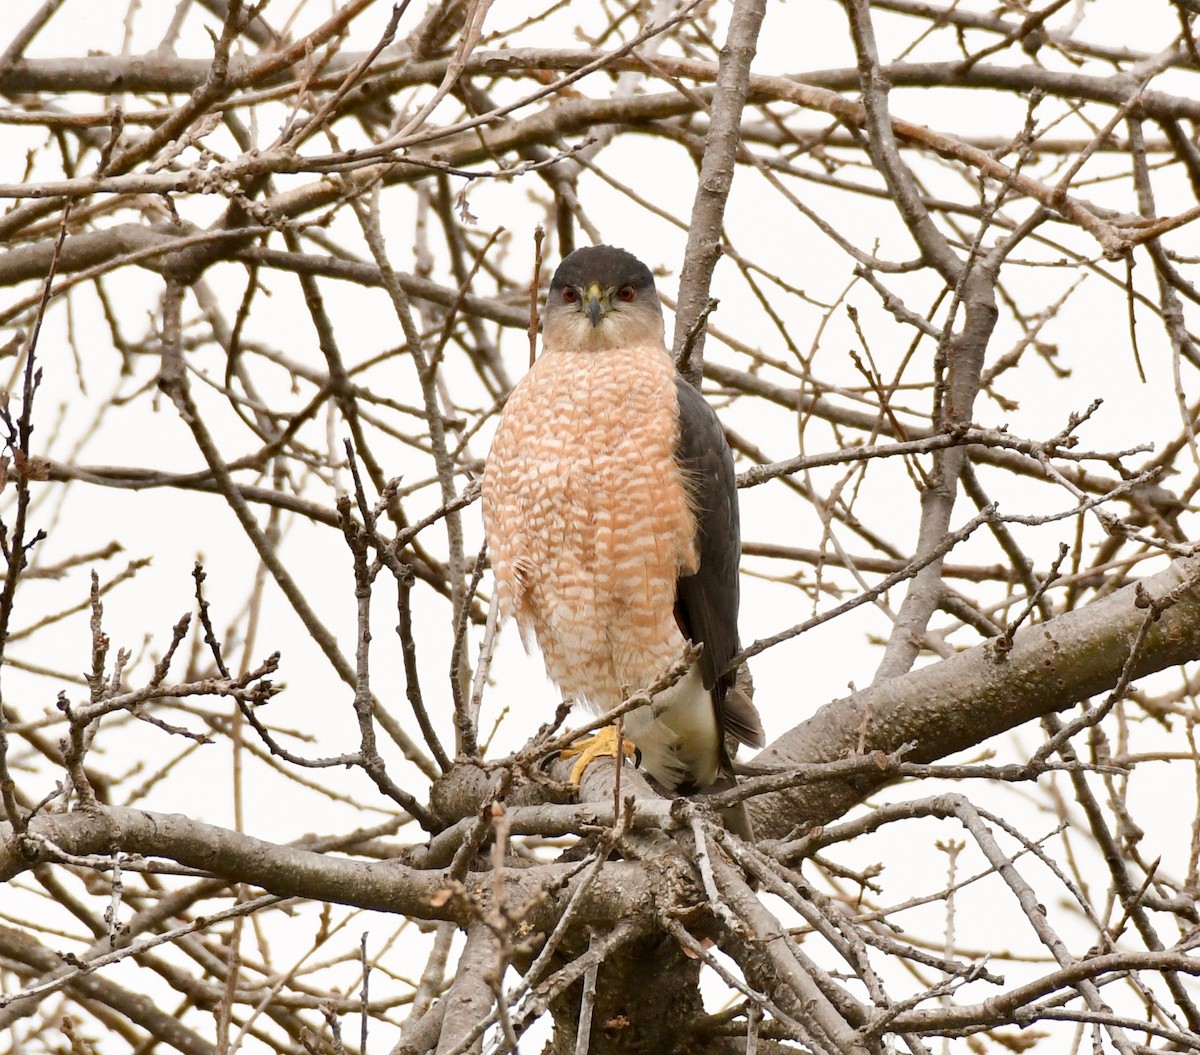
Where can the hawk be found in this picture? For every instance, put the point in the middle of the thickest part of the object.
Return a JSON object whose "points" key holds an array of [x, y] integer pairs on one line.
{"points": [[610, 508]]}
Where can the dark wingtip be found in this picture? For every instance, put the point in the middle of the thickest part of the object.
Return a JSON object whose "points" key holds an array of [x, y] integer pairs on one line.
{"points": [[741, 720]]}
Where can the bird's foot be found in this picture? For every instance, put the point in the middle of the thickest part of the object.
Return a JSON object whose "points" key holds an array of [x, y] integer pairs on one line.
{"points": [[602, 745]]}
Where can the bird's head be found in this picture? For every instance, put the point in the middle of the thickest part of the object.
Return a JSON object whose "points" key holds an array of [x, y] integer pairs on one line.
{"points": [[601, 297]]}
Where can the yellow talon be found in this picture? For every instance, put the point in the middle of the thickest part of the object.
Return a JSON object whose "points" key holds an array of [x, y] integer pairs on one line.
{"points": [[602, 745]]}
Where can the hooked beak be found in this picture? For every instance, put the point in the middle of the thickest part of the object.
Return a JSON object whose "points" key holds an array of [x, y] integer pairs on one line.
{"points": [[595, 303]]}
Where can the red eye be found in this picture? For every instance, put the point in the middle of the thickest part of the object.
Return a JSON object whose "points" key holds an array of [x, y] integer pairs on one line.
{"points": [[570, 294], [626, 293]]}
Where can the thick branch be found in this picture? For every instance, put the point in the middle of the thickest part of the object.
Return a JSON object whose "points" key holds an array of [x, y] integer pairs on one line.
{"points": [[959, 702], [716, 179]]}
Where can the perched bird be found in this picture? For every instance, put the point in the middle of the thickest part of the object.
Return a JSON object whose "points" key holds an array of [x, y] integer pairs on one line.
{"points": [[610, 506]]}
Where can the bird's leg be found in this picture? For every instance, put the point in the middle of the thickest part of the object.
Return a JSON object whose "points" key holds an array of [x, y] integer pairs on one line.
{"points": [[604, 744]]}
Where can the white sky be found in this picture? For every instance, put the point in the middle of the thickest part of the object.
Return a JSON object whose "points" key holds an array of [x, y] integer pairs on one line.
{"points": [[792, 680]]}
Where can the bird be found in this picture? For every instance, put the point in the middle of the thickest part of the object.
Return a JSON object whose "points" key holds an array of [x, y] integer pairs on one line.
{"points": [[610, 511]]}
